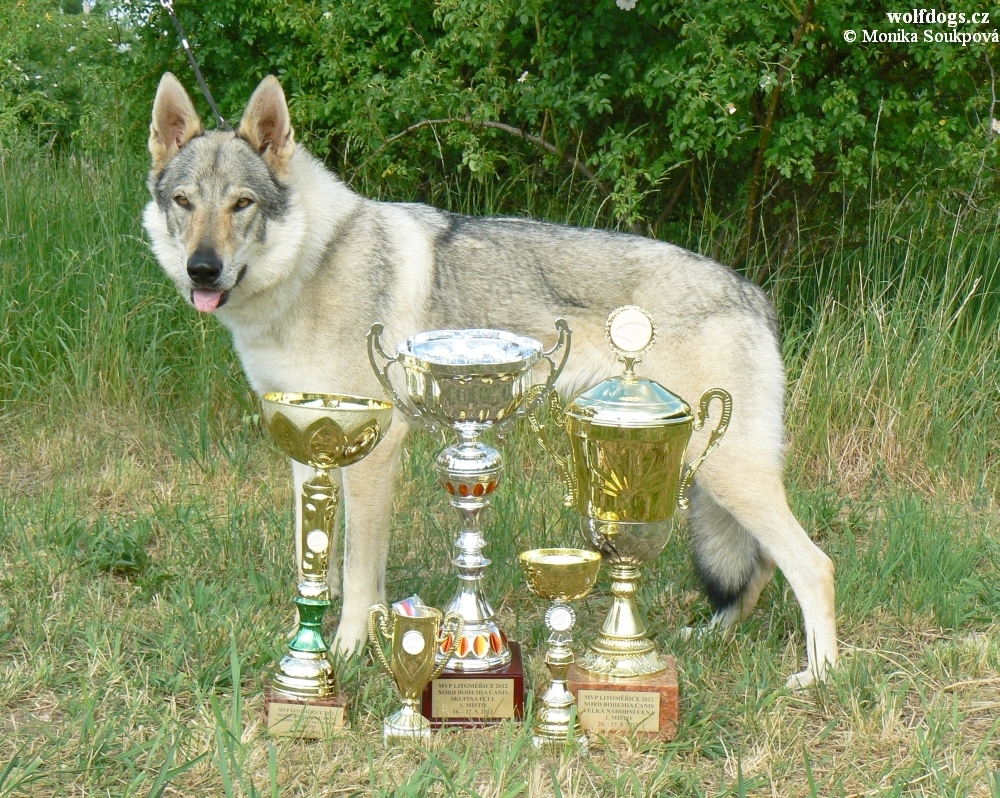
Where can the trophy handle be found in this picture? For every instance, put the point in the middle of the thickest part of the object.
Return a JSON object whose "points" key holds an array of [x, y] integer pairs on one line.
{"points": [[559, 419], [378, 617], [713, 440], [455, 620], [538, 392], [375, 345]]}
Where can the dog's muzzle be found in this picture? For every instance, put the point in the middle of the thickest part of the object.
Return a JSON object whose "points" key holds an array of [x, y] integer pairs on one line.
{"points": [[208, 300]]}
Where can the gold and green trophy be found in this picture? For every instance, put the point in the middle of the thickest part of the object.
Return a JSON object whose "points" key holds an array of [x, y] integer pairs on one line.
{"points": [[323, 431], [561, 576], [626, 477]]}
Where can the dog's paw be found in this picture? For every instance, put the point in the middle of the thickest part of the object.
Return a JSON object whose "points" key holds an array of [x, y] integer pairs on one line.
{"points": [[349, 642], [802, 680]]}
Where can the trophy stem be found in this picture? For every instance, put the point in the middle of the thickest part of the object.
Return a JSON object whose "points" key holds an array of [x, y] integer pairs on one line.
{"points": [[556, 722], [469, 471], [622, 647], [306, 671], [318, 534]]}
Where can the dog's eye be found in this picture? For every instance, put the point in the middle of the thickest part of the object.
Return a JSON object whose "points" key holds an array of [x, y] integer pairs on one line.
{"points": [[243, 202], [181, 200]]}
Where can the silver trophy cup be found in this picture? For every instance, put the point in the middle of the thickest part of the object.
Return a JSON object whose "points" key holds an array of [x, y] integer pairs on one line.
{"points": [[469, 380]]}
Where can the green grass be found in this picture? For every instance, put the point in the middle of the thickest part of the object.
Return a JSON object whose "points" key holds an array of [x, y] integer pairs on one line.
{"points": [[145, 537]]}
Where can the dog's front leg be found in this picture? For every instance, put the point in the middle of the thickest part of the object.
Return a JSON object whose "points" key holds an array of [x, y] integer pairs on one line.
{"points": [[368, 490]]}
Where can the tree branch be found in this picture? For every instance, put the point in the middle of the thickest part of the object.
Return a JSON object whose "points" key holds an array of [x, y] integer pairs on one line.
{"points": [[765, 137], [574, 163]]}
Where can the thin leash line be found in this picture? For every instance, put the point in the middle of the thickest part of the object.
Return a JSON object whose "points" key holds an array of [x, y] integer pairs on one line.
{"points": [[221, 123]]}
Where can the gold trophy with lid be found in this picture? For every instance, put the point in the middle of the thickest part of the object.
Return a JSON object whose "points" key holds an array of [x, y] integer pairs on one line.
{"points": [[626, 477]]}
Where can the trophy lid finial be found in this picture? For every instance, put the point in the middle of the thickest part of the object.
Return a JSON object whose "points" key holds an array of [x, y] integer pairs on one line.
{"points": [[631, 333], [630, 401]]}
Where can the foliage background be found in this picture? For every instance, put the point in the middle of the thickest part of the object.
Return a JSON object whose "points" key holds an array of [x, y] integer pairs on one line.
{"points": [[756, 117]]}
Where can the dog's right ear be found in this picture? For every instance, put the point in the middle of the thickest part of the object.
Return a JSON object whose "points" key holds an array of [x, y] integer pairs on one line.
{"points": [[175, 122]]}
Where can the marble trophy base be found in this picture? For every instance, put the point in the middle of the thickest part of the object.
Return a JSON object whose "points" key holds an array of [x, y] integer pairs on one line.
{"points": [[645, 705], [313, 718], [476, 700]]}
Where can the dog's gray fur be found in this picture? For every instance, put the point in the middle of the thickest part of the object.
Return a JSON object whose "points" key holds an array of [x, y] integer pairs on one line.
{"points": [[301, 272]]}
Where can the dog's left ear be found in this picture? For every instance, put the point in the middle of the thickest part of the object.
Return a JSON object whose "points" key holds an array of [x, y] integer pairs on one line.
{"points": [[267, 127]]}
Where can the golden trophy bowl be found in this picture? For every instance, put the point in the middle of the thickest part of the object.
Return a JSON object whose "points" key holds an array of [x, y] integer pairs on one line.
{"points": [[323, 431], [561, 576], [413, 661]]}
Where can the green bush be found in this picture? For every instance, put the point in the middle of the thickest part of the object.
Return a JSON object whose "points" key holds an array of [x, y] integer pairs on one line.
{"points": [[66, 78], [720, 107], [754, 118]]}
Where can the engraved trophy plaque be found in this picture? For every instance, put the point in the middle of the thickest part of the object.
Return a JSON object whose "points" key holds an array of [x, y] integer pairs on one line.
{"points": [[323, 431], [470, 381], [626, 477]]}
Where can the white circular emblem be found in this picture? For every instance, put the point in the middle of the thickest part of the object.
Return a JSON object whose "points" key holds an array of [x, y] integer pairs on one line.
{"points": [[630, 329], [317, 541], [560, 619], [413, 642]]}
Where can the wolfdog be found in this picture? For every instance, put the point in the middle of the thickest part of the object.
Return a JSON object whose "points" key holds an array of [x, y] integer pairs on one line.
{"points": [[298, 266]]}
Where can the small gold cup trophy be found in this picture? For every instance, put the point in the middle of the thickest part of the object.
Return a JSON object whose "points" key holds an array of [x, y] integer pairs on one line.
{"points": [[415, 632], [626, 477], [323, 431], [471, 381], [561, 576]]}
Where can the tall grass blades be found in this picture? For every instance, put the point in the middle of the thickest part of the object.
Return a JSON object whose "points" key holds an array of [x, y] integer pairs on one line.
{"points": [[84, 310], [894, 357]]}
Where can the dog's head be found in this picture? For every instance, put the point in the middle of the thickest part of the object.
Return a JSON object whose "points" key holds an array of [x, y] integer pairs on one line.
{"points": [[215, 193]]}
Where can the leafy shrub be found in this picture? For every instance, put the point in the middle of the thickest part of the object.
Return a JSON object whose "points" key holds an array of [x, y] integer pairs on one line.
{"points": [[718, 106], [747, 115], [62, 75]]}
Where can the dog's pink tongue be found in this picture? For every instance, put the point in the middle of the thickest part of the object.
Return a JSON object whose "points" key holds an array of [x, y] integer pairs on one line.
{"points": [[206, 301]]}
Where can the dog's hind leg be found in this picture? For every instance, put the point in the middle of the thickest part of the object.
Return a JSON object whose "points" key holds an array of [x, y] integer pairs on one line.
{"points": [[752, 516], [368, 490]]}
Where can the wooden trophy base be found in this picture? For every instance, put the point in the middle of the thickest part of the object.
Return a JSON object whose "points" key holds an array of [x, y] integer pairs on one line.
{"points": [[646, 705], [476, 700], [313, 719]]}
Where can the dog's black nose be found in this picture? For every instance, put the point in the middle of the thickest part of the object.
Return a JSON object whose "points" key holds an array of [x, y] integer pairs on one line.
{"points": [[204, 267]]}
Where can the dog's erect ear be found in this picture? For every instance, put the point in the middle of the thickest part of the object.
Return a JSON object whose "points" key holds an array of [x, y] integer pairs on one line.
{"points": [[175, 122], [266, 125]]}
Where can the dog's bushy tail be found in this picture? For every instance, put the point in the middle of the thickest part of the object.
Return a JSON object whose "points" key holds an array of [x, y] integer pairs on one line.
{"points": [[729, 560]]}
